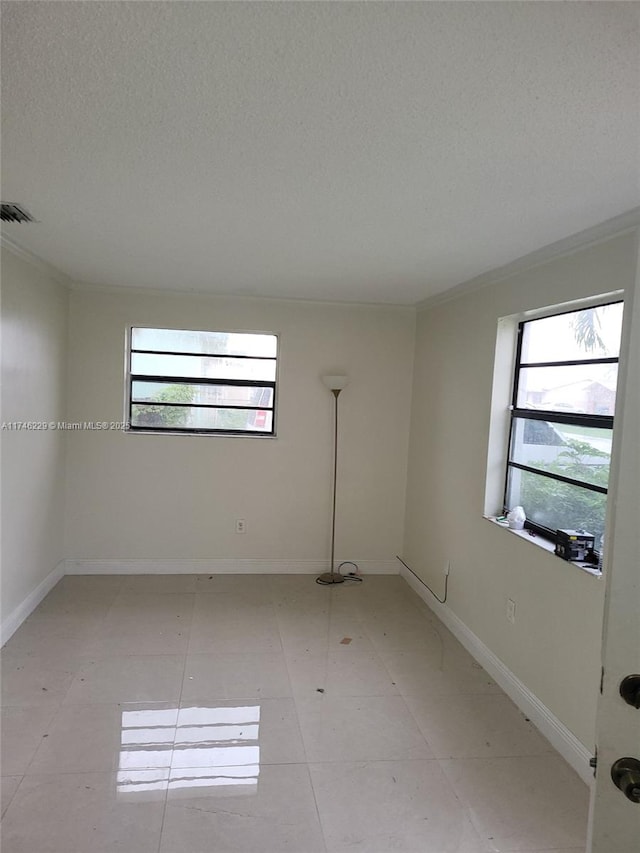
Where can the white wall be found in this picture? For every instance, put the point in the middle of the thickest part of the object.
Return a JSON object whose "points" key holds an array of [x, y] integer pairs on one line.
{"points": [[554, 645], [34, 334], [175, 498]]}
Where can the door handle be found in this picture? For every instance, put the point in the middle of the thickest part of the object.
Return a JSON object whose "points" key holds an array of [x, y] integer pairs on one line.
{"points": [[625, 773], [630, 690]]}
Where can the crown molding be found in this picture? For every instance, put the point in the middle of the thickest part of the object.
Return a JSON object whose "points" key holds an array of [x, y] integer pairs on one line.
{"points": [[176, 293], [42, 266], [600, 233], [123, 290]]}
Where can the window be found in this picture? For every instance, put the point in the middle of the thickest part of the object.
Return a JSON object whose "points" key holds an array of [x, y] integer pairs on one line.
{"points": [[562, 411], [202, 382]]}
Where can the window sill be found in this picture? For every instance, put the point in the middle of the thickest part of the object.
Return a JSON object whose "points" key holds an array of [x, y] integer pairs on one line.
{"points": [[545, 544], [200, 433]]}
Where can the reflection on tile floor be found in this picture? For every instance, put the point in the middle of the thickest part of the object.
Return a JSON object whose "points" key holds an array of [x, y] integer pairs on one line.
{"points": [[184, 714]]}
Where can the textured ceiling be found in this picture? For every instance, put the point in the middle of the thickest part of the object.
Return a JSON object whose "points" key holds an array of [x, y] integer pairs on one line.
{"points": [[378, 152]]}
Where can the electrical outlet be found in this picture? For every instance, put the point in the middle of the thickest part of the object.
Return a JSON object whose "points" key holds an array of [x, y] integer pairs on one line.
{"points": [[241, 525], [511, 610]]}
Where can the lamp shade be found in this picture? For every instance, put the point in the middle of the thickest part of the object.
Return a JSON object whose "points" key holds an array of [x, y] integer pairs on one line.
{"points": [[336, 382]]}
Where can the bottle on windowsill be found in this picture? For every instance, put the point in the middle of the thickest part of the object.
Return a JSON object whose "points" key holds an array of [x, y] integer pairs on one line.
{"points": [[516, 518]]}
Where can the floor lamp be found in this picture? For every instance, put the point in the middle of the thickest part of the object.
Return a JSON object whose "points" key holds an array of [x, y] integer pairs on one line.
{"points": [[335, 384]]}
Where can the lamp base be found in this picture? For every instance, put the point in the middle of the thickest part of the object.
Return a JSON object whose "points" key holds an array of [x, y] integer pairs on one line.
{"points": [[329, 578]]}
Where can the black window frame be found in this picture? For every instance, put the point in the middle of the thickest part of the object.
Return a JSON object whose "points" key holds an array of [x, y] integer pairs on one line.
{"points": [[553, 416], [204, 380]]}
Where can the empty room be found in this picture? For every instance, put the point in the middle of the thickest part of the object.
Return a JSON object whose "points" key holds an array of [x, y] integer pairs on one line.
{"points": [[320, 418]]}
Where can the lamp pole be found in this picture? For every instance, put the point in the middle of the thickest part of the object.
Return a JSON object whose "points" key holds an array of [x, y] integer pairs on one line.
{"points": [[335, 385]]}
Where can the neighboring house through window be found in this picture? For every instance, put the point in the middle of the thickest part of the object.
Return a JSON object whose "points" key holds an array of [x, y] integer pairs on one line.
{"points": [[562, 412], [183, 381]]}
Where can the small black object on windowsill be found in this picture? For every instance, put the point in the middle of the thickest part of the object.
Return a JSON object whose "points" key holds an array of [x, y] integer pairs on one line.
{"points": [[574, 545]]}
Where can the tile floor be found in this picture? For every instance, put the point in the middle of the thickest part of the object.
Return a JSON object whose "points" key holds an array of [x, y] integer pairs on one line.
{"points": [[184, 714]]}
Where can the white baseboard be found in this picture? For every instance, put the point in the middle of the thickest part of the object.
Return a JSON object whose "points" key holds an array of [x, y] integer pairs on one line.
{"points": [[220, 567], [11, 624], [563, 741]]}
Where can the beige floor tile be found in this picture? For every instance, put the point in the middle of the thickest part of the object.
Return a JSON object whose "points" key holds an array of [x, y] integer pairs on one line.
{"points": [[235, 640], [135, 678], [387, 586], [160, 584], [440, 669], [344, 672], [401, 632], [234, 630], [284, 586], [320, 633], [251, 587], [489, 726], [88, 587], [374, 602], [225, 592], [235, 637], [254, 809], [150, 607], [161, 639], [372, 605], [22, 732], [108, 737], [223, 606], [346, 728], [383, 806], [268, 726], [551, 850], [70, 611], [138, 624], [35, 680], [28, 642], [302, 604], [235, 676], [8, 787], [79, 596], [54, 624], [84, 813], [522, 804], [221, 713]]}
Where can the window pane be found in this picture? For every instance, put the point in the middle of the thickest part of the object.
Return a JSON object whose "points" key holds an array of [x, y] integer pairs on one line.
{"points": [[188, 417], [216, 395], [582, 453], [193, 380], [556, 505], [587, 389], [200, 367], [590, 333], [211, 343]]}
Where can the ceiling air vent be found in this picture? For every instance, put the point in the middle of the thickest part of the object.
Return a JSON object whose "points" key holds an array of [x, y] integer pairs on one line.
{"points": [[15, 213]]}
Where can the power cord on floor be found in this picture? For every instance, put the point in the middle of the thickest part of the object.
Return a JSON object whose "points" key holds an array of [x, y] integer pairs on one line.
{"points": [[446, 582], [350, 576]]}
